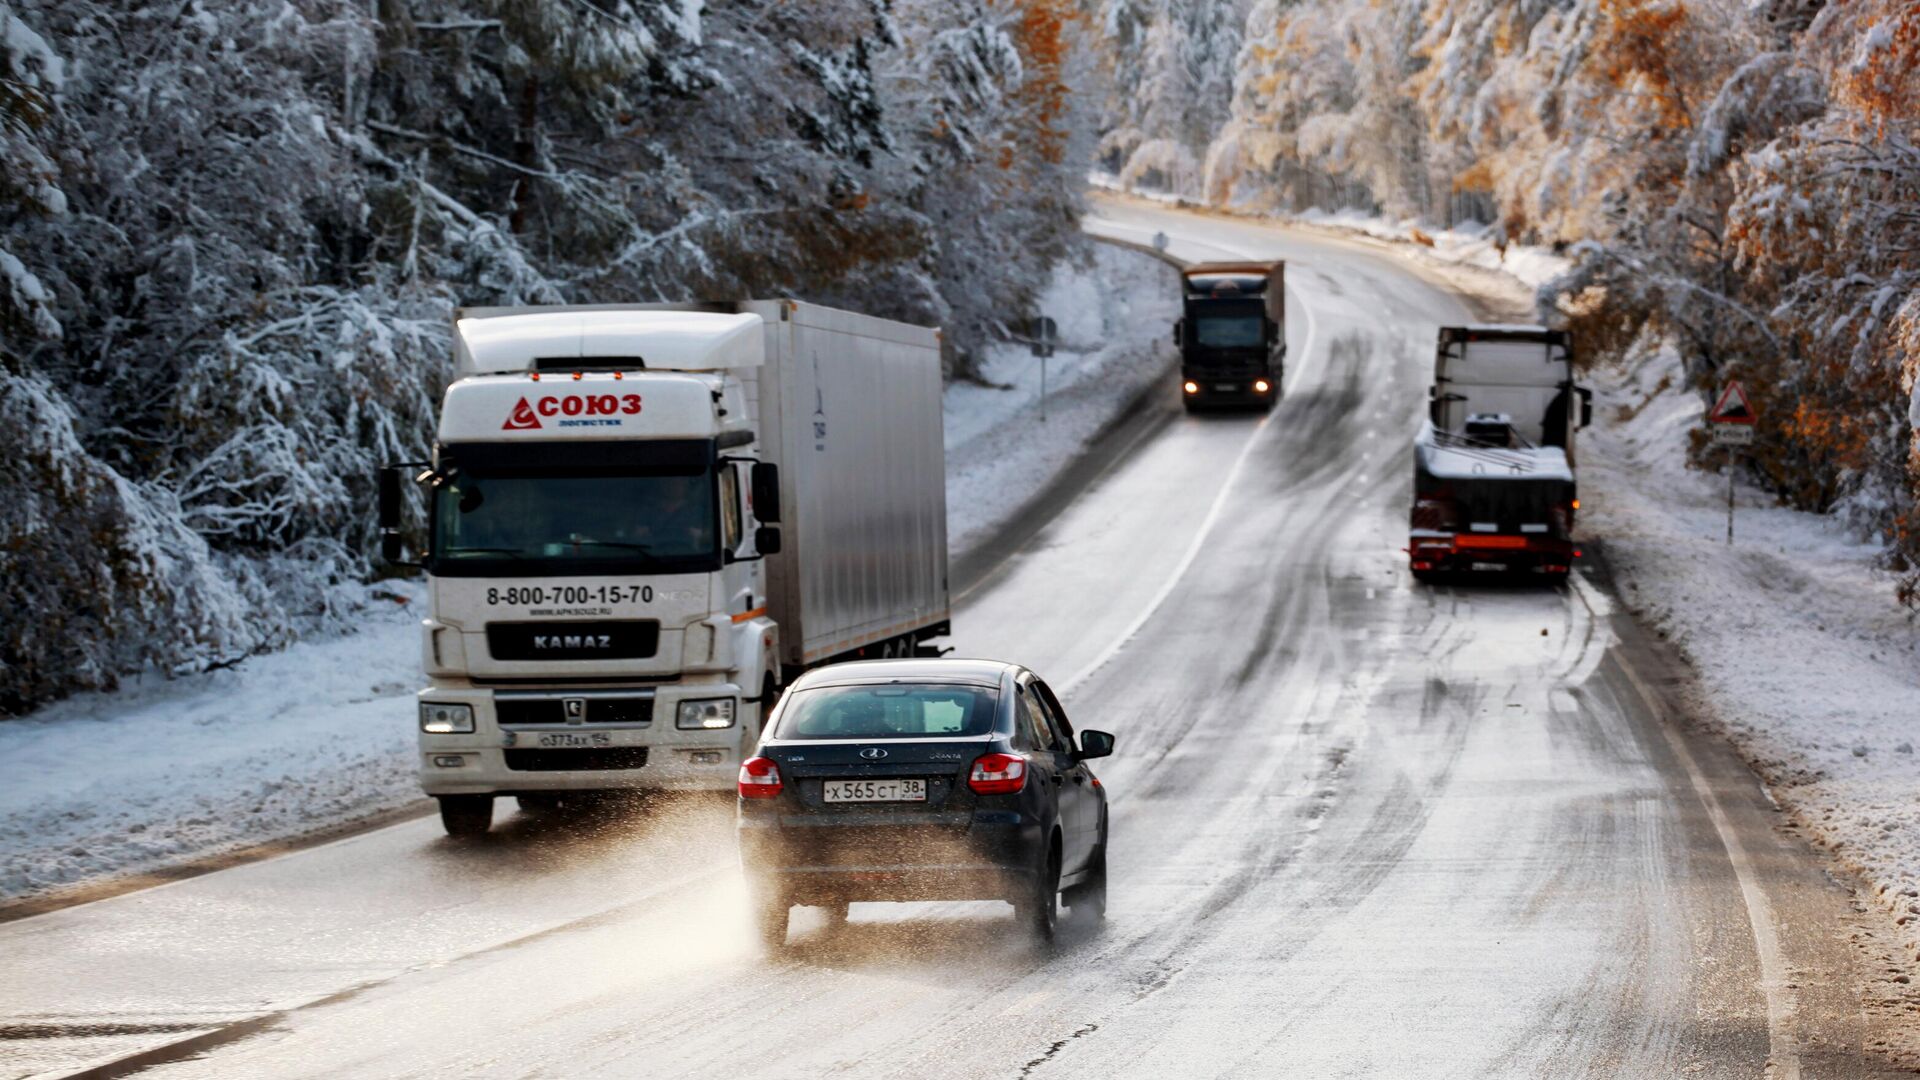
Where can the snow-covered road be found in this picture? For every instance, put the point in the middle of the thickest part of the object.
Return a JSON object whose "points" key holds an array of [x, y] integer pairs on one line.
{"points": [[1360, 828]]}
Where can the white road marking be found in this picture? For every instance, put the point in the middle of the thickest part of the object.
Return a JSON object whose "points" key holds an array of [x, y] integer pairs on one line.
{"points": [[1180, 569], [1783, 1049]]}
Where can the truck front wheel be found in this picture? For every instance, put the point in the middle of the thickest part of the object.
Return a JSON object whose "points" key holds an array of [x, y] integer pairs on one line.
{"points": [[466, 815]]}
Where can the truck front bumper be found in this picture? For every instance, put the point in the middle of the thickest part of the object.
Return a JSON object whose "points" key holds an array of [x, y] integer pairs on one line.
{"points": [[653, 756], [1237, 388]]}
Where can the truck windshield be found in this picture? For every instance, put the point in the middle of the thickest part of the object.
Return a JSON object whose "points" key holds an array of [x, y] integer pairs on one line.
{"points": [[1228, 331], [891, 711], [516, 524]]}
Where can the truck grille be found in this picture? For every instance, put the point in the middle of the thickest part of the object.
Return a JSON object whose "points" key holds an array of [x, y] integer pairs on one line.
{"points": [[555, 710], [612, 757], [634, 639]]}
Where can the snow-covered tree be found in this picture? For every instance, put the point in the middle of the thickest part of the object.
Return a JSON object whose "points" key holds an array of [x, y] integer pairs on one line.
{"points": [[231, 235]]}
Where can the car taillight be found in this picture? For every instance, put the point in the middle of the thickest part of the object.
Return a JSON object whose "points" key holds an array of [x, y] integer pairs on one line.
{"points": [[998, 774], [759, 778]]}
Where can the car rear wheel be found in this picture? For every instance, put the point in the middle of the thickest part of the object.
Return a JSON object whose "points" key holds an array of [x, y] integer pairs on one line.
{"points": [[770, 911], [1088, 900], [466, 815], [1039, 909]]}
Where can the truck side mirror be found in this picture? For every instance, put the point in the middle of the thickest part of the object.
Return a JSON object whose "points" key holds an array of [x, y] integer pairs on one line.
{"points": [[389, 501], [389, 513], [765, 486], [1586, 405], [1273, 332], [388, 507], [1178, 326], [766, 540]]}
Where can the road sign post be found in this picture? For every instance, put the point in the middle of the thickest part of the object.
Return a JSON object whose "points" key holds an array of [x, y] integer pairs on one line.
{"points": [[1044, 332], [1731, 420]]}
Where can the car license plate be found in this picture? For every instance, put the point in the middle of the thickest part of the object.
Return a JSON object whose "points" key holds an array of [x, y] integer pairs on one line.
{"points": [[572, 740], [876, 790]]}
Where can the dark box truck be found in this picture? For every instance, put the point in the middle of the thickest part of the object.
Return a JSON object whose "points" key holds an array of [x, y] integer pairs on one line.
{"points": [[1232, 333]]}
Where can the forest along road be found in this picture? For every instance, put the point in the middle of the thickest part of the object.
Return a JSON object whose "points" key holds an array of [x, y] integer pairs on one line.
{"points": [[1359, 828]]}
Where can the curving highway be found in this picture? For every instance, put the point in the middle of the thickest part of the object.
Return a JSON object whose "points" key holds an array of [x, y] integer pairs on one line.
{"points": [[1361, 828]]}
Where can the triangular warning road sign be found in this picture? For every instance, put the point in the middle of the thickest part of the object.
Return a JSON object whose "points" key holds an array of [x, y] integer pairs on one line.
{"points": [[1733, 407]]}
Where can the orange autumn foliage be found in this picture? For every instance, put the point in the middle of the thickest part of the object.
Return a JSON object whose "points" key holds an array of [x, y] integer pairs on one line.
{"points": [[1637, 51], [1041, 37]]}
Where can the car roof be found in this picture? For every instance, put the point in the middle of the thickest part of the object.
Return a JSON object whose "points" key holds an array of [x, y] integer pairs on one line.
{"points": [[982, 672]]}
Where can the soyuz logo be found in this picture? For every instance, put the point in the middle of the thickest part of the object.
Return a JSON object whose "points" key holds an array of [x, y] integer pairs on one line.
{"points": [[526, 415], [573, 641]]}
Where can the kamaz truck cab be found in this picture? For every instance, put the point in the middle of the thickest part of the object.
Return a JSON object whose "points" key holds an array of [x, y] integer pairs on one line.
{"points": [[1232, 334], [615, 595]]}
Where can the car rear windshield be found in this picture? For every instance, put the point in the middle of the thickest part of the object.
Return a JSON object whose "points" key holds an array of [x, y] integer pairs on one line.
{"points": [[890, 711]]}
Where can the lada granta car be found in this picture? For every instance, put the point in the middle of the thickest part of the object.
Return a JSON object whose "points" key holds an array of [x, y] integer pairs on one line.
{"points": [[923, 780]]}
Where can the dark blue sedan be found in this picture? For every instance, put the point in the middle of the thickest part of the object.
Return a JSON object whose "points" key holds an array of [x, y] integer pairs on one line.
{"points": [[923, 780]]}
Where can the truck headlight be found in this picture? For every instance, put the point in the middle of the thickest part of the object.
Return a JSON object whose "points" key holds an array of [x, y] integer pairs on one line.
{"points": [[704, 714], [437, 718]]}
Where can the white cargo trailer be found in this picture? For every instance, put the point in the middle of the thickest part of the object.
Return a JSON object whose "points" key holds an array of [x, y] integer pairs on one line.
{"points": [[643, 519]]}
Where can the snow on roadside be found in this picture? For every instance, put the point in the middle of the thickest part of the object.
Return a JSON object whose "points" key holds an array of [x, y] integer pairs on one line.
{"points": [[1113, 316], [1803, 657], [163, 770], [322, 734]]}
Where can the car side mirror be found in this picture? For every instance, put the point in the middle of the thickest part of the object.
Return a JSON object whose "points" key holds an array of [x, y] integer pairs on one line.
{"points": [[1094, 744], [766, 540], [765, 486]]}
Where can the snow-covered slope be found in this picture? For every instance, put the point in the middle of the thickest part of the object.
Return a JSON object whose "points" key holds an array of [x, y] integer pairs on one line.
{"points": [[1113, 319]]}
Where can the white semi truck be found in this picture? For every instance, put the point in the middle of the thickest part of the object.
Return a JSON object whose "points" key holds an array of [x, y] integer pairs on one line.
{"points": [[643, 519], [1493, 465]]}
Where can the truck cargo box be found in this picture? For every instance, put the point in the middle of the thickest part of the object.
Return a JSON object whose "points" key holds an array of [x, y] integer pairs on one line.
{"points": [[849, 407]]}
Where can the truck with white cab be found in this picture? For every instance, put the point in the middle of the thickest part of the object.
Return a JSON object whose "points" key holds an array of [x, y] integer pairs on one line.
{"points": [[642, 520], [1493, 474]]}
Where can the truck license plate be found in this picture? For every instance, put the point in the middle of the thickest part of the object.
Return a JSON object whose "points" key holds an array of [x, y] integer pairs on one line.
{"points": [[1225, 387], [572, 740], [876, 790]]}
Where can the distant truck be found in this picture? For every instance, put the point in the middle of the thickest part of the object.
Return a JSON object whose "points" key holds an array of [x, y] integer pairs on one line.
{"points": [[1232, 333], [1493, 479], [613, 601]]}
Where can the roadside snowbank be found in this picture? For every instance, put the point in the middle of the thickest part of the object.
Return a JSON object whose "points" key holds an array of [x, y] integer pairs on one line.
{"points": [[1803, 656], [162, 770], [1113, 317], [321, 735]]}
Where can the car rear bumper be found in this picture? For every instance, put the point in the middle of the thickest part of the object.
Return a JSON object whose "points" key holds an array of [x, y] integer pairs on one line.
{"points": [[985, 859]]}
